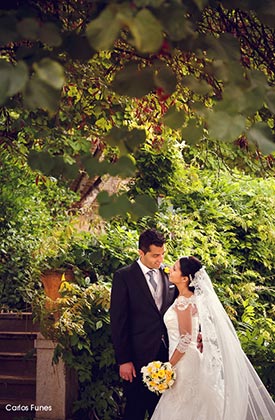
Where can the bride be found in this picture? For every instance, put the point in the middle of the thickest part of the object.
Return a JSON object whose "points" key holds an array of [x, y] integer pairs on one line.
{"points": [[220, 383]]}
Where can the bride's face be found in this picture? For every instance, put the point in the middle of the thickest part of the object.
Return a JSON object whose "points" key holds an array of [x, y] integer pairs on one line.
{"points": [[175, 273]]}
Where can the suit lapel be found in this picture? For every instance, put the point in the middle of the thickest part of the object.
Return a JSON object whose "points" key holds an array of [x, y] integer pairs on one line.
{"points": [[164, 289], [167, 294]]}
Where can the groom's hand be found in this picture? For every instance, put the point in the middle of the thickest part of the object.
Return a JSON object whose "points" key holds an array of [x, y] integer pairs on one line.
{"points": [[127, 371]]}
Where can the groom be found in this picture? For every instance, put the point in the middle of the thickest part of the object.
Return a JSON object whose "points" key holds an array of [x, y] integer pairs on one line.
{"points": [[141, 293]]}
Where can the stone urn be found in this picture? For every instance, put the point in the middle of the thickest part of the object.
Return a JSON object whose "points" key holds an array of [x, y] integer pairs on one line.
{"points": [[51, 280]]}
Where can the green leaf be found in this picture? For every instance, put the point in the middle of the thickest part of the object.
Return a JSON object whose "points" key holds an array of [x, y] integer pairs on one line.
{"points": [[165, 78], [201, 4], [174, 118], [63, 169], [49, 34], [261, 135], [134, 81], [94, 167], [104, 198], [193, 133], [98, 325], [238, 100], [41, 161], [265, 11], [257, 79], [5, 71], [8, 32], [51, 165], [78, 47], [145, 3], [147, 32], [28, 28], [225, 48], [119, 205], [127, 141], [50, 72], [103, 31], [144, 205], [270, 99], [223, 126], [18, 78], [13, 79], [197, 86], [176, 22], [124, 167], [38, 94], [110, 206]]}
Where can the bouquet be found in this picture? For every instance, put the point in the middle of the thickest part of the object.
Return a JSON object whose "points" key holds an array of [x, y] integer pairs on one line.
{"points": [[158, 376]]}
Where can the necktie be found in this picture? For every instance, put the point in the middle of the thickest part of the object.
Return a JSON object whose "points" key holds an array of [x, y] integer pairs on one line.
{"points": [[152, 280]]}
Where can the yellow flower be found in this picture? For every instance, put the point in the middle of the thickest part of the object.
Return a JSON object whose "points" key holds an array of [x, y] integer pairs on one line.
{"points": [[166, 270], [168, 375], [158, 376]]}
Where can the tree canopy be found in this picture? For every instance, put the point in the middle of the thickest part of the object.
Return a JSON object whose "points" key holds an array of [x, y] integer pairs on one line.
{"points": [[84, 84]]}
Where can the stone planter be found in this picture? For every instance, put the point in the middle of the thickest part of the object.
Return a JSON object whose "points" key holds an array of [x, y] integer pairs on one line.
{"points": [[51, 281], [56, 384]]}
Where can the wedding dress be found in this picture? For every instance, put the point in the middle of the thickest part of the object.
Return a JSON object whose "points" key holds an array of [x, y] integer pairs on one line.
{"points": [[184, 401], [220, 383]]}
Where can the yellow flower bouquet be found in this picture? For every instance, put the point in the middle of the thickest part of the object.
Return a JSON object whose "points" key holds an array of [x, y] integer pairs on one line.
{"points": [[158, 376]]}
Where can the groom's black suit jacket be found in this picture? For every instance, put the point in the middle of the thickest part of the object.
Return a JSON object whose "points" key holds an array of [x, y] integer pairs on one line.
{"points": [[136, 322]]}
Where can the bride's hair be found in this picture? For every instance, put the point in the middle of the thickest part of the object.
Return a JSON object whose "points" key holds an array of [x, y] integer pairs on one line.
{"points": [[188, 267]]}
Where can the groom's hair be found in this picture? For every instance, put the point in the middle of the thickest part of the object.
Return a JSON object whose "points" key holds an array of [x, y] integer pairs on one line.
{"points": [[150, 237]]}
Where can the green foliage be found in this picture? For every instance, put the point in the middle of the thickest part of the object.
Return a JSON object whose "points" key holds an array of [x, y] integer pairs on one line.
{"points": [[226, 219], [121, 88], [256, 332], [115, 205], [84, 343], [146, 80], [71, 76], [27, 220], [105, 251], [126, 141], [83, 328], [155, 172], [227, 222]]}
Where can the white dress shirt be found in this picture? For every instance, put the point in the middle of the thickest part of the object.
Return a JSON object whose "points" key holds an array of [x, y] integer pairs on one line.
{"points": [[157, 295]]}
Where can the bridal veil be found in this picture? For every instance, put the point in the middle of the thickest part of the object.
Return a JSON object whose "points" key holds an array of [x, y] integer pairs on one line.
{"points": [[226, 370]]}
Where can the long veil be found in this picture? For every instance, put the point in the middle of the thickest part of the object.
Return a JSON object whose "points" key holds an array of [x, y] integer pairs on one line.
{"points": [[227, 372]]}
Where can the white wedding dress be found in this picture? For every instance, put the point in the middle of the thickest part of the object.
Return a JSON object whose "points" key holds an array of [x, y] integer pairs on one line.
{"points": [[220, 383], [190, 397]]}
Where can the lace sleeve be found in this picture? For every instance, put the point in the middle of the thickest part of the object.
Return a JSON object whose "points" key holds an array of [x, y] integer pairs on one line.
{"points": [[184, 341], [183, 302], [184, 308]]}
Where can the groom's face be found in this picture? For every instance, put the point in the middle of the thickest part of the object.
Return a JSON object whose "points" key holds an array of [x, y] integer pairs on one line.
{"points": [[154, 257]]}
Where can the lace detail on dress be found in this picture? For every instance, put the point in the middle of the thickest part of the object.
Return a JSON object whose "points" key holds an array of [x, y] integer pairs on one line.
{"points": [[184, 341], [213, 361], [182, 302]]}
